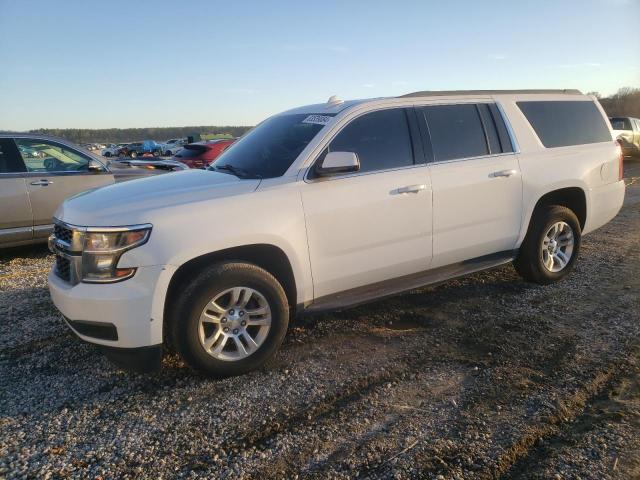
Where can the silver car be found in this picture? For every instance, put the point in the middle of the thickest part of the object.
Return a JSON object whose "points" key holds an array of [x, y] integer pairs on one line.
{"points": [[38, 172]]}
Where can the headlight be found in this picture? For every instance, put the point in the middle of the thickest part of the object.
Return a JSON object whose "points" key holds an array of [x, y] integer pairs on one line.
{"points": [[102, 250]]}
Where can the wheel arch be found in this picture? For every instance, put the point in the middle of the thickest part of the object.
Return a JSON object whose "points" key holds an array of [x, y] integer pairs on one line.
{"points": [[270, 257], [573, 197]]}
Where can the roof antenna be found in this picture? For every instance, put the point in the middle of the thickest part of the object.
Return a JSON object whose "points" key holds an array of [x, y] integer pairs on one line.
{"points": [[333, 101]]}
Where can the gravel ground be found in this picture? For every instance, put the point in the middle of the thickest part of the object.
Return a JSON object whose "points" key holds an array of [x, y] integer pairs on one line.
{"points": [[482, 377]]}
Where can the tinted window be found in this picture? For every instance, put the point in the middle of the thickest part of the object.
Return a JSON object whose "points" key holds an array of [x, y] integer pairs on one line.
{"points": [[456, 131], [46, 156], [268, 150], [503, 134], [490, 129], [9, 158], [380, 139], [618, 123], [563, 123]]}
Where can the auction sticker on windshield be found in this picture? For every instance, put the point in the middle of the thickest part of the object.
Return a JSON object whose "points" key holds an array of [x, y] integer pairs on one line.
{"points": [[317, 119]]}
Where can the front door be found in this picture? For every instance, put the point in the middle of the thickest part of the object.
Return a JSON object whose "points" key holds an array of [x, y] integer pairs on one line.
{"points": [[54, 173], [16, 221], [375, 224]]}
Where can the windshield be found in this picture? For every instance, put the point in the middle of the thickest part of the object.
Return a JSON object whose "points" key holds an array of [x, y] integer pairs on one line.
{"points": [[268, 150]]}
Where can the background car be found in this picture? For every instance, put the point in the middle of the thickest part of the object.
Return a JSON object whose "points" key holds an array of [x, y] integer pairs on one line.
{"points": [[627, 131], [138, 149], [37, 173], [201, 154], [113, 149], [173, 146]]}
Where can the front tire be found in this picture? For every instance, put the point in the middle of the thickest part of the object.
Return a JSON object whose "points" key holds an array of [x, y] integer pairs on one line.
{"points": [[550, 249], [230, 319]]}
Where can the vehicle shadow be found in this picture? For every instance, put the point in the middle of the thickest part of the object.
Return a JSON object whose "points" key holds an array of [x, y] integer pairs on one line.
{"points": [[39, 250]]}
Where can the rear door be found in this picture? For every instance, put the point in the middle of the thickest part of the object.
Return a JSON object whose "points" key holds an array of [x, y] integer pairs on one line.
{"points": [[476, 181], [54, 173], [16, 220]]}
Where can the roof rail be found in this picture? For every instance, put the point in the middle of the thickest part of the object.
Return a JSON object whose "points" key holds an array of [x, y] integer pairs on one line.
{"points": [[441, 93]]}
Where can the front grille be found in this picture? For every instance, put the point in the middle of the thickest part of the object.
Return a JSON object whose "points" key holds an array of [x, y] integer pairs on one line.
{"points": [[63, 268], [62, 233]]}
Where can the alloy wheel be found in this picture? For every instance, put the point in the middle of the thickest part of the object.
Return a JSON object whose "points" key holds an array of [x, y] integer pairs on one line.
{"points": [[234, 323], [557, 247]]}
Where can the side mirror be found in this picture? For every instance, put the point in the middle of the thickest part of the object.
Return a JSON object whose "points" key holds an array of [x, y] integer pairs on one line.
{"points": [[338, 162]]}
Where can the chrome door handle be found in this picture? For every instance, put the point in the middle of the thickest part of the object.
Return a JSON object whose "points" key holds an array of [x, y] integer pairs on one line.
{"points": [[503, 173], [44, 182], [412, 188]]}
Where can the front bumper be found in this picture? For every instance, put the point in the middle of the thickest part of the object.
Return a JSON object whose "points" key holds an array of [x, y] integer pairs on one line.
{"points": [[131, 310]]}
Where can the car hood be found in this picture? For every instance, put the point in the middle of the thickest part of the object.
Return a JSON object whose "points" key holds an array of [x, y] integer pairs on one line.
{"points": [[136, 201]]}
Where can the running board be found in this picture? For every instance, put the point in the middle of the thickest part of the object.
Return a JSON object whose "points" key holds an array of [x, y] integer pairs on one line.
{"points": [[395, 286]]}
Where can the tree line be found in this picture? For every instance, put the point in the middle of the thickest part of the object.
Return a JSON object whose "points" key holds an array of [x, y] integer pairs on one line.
{"points": [[121, 135], [624, 103]]}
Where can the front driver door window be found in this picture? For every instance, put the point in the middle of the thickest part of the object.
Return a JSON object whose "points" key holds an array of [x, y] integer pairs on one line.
{"points": [[47, 157], [55, 172]]}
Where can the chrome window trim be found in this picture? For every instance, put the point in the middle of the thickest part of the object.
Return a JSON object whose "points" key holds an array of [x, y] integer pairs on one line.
{"points": [[64, 173], [507, 123], [464, 159]]}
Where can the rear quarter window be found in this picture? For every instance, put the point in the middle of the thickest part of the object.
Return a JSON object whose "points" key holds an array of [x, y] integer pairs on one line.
{"points": [[565, 123]]}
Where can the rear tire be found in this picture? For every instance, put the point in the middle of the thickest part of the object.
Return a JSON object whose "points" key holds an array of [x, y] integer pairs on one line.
{"points": [[133, 154], [551, 246], [229, 320]]}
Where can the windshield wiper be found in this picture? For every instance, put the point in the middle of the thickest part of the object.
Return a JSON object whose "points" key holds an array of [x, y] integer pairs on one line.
{"points": [[238, 172]]}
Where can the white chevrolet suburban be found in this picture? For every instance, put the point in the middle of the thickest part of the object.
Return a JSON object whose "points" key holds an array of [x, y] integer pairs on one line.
{"points": [[332, 205]]}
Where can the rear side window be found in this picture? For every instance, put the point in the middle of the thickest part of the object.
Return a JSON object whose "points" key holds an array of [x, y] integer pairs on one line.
{"points": [[10, 161], [456, 131], [565, 123], [618, 123], [380, 139]]}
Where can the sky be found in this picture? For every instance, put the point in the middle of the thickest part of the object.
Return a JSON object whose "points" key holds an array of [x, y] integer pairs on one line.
{"points": [[104, 64]]}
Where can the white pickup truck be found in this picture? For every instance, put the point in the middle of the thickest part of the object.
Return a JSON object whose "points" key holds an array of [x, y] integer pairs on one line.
{"points": [[627, 131], [327, 206]]}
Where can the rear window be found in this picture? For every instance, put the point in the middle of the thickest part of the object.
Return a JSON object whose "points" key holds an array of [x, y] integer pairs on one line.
{"points": [[618, 123], [565, 123]]}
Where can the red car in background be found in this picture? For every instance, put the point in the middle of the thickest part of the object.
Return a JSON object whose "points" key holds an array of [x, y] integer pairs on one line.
{"points": [[201, 154]]}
